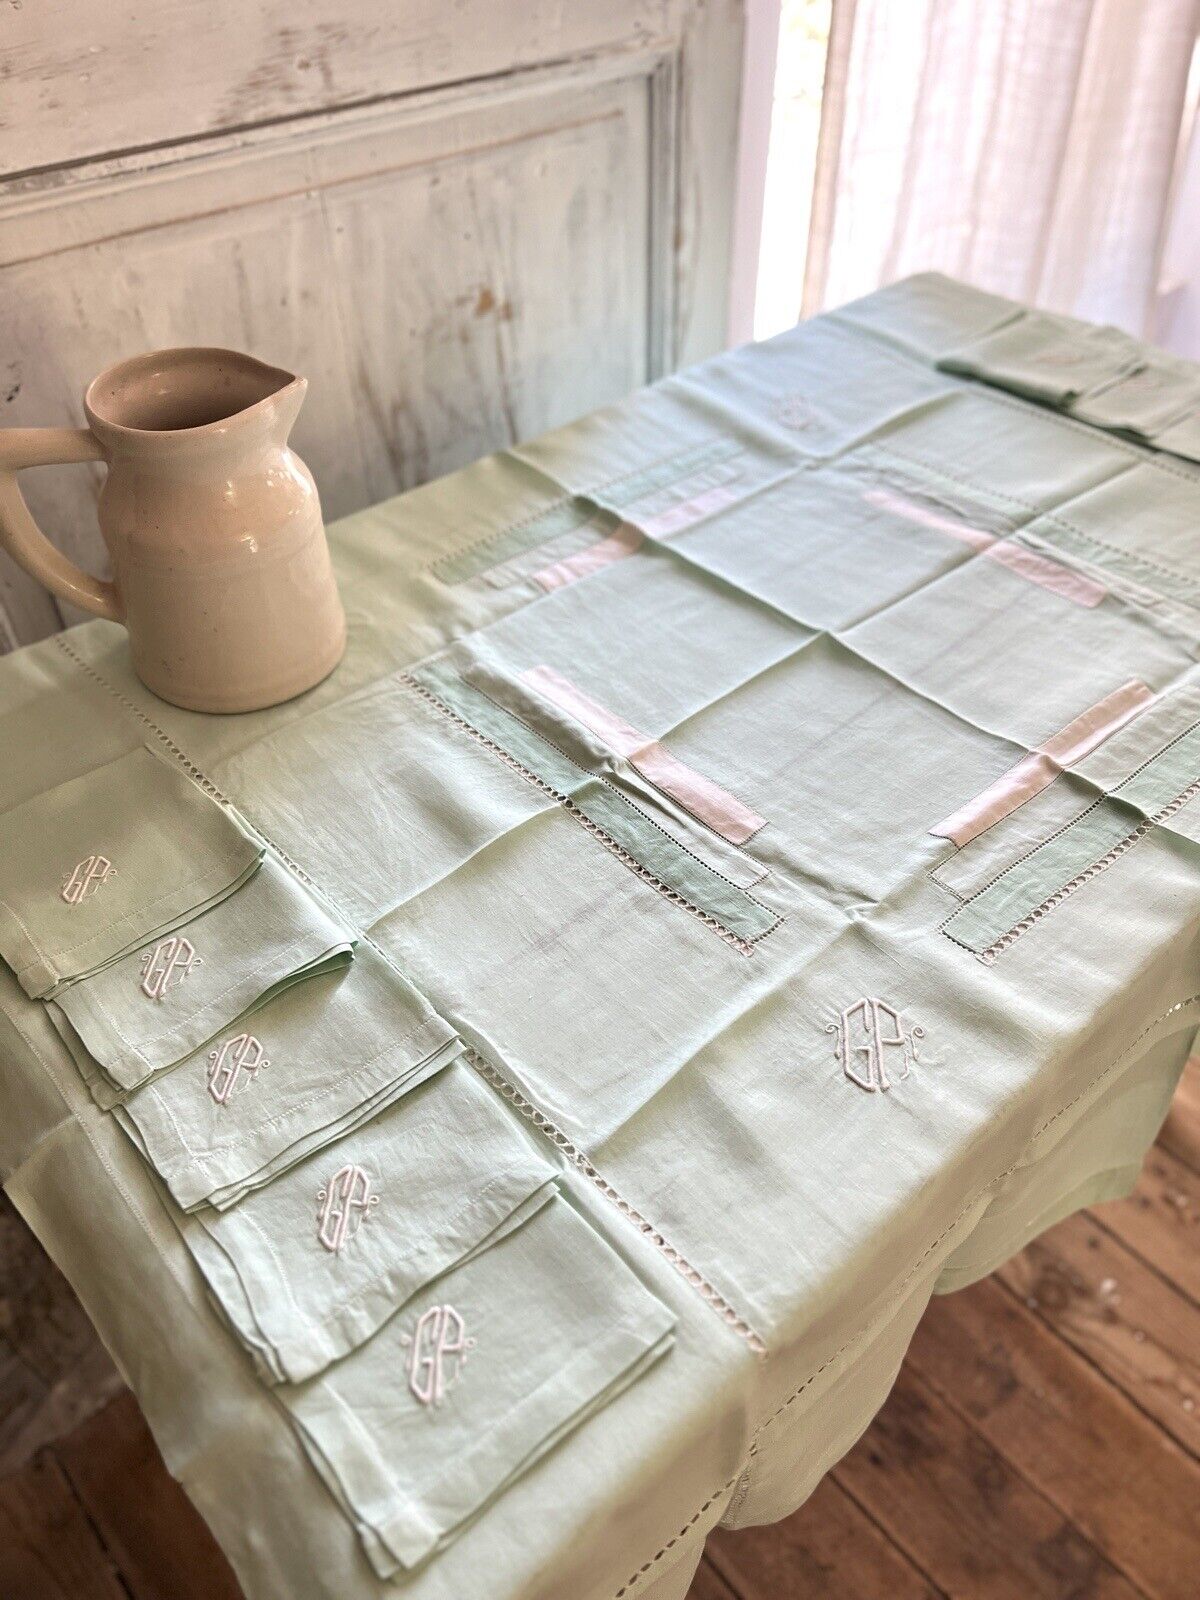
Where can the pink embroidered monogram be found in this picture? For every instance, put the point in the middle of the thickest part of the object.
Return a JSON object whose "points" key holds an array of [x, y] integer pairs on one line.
{"points": [[722, 812], [437, 1353], [1047, 574], [167, 964], [859, 1031], [624, 541], [85, 878], [346, 1202], [794, 412], [1036, 771], [242, 1053]]}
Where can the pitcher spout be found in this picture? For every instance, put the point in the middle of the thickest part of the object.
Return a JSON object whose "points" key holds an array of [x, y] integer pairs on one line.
{"points": [[170, 400], [286, 403]]}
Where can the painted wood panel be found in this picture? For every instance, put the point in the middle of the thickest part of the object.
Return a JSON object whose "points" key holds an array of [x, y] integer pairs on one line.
{"points": [[438, 280], [452, 267], [133, 74]]}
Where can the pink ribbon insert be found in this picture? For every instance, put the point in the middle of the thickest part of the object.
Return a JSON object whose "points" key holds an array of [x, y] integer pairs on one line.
{"points": [[688, 511], [1038, 770], [706, 800], [619, 544], [1026, 563]]}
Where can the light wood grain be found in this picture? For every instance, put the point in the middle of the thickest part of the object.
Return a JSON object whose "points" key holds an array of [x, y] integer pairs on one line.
{"points": [[437, 275], [1127, 1320], [1020, 1448], [1161, 1220], [133, 74], [1180, 1136], [828, 1550], [1071, 1434], [709, 89], [948, 1498], [1028, 1449]]}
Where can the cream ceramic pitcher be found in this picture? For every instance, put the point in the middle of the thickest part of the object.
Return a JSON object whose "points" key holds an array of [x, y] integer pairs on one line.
{"points": [[221, 570]]}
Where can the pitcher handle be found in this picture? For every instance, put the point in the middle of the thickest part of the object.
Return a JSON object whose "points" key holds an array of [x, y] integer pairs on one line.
{"points": [[20, 534]]}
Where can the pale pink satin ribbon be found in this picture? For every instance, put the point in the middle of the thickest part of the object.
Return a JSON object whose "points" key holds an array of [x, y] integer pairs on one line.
{"points": [[1026, 563], [688, 511], [706, 800], [628, 537], [619, 544], [1036, 771]]}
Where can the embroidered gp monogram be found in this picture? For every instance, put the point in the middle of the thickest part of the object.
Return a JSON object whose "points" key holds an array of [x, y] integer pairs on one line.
{"points": [[633, 1150], [242, 1053], [437, 1352], [178, 850], [859, 1031], [86, 877], [167, 965], [346, 1202]]}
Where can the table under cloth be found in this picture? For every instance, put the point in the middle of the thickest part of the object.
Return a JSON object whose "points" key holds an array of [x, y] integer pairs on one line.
{"points": [[507, 1109]]}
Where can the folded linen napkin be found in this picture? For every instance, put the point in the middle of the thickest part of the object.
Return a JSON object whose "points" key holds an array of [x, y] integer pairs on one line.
{"points": [[318, 1059], [130, 1024], [308, 1267], [95, 867], [483, 1372]]}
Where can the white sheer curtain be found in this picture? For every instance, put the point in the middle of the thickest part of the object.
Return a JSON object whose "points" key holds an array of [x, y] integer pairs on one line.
{"points": [[1028, 146]]}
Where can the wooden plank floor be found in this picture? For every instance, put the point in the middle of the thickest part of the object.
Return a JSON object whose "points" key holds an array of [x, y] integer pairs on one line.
{"points": [[1042, 1441]]}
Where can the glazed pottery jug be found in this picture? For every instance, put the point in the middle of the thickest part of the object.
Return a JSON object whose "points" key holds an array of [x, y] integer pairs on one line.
{"points": [[221, 570]]}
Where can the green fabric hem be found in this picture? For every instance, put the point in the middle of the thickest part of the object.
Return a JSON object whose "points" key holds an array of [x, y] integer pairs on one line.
{"points": [[617, 817], [514, 541], [1055, 863], [636, 485]]}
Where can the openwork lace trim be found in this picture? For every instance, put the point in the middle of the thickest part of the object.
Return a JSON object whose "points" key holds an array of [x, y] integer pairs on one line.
{"points": [[527, 1109], [998, 946], [742, 946], [742, 1476], [728, 1313], [189, 766], [635, 1579], [478, 547]]}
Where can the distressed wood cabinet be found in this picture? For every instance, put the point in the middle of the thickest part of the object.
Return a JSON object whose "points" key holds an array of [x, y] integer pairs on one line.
{"points": [[464, 224]]}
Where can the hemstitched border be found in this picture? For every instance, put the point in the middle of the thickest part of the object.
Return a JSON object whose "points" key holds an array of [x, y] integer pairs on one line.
{"points": [[526, 1108], [477, 547], [547, 1128], [998, 946], [744, 946], [1094, 868], [634, 1580], [728, 1313], [710, 452]]}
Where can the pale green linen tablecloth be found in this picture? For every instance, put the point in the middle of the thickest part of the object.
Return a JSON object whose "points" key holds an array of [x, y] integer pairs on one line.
{"points": [[507, 1109]]}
